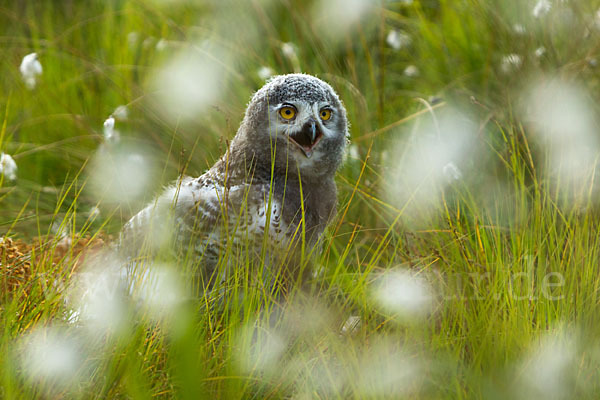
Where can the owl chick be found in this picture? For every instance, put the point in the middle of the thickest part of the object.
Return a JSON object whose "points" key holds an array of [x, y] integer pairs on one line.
{"points": [[275, 184]]}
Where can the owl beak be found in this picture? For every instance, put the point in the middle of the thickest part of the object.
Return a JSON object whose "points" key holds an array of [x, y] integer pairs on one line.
{"points": [[312, 131], [307, 138]]}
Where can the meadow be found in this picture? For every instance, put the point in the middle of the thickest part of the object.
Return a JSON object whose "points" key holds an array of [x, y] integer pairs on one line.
{"points": [[463, 259]]}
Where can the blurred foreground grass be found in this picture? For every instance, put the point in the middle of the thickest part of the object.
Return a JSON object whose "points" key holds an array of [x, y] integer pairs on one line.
{"points": [[464, 259]]}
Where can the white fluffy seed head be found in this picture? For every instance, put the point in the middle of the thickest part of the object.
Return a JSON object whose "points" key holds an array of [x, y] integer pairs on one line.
{"points": [[265, 72], [452, 172], [159, 290], [519, 29], [549, 369], [111, 135], [121, 113], [49, 354], [109, 124], [403, 293], [97, 297], [387, 371], [8, 167], [398, 39], [30, 69], [347, 13], [411, 71], [541, 8], [539, 52], [420, 171], [120, 175], [562, 117], [190, 82], [288, 49], [261, 348], [161, 45], [511, 63]]}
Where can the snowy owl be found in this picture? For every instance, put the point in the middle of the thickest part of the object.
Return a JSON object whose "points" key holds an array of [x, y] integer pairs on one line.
{"points": [[274, 186]]}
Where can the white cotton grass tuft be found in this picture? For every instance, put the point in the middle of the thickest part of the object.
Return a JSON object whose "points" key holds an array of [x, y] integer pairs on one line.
{"points": [[290, 52], [397, 39], [511, 63], [263, 342], [62, 227], [31, 69], [347, 13], [353, 152], [288, 49], [111, 135], [417, 177], [411, 71], [387, 371], [98, 299], [8, 167], [120, 175], [260, 348], [541, 8], [94, 212], [190, 82], [51, 356], [519, 29], [162, 45], [121, 113], [265, 73], [65, 242], [158, 290], [539, 52], [316, 376], [304, 318], [452, 172], [403, 293], [548, 371], [109, 124], [562, 117]]}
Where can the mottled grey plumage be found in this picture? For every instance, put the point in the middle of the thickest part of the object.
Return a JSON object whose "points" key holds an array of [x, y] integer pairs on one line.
{"points": [[256, 185]]}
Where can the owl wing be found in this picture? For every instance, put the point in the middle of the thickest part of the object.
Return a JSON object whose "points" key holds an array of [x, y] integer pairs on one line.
{"points": [[192, 203], [201, 216]]}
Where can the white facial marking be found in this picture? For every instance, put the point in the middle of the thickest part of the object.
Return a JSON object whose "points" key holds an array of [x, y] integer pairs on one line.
{"points": [[317, 107], [279, 127]]}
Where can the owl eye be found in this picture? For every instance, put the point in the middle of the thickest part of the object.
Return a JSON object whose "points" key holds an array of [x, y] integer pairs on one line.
{"points": [[287, 112], [325, 114]]}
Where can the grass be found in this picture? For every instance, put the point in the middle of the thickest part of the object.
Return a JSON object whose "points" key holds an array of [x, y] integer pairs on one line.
{"points": [[489, 278]]}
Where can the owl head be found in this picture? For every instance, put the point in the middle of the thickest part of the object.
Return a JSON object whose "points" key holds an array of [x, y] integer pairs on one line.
{"points": [[301, 120]]}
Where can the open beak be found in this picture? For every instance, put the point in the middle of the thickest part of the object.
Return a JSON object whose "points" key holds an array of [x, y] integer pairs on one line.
{"points": [[307, 137]]}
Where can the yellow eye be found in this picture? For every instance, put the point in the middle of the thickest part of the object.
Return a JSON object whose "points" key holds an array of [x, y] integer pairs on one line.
{"points": [[325, 114], [287, 112]]}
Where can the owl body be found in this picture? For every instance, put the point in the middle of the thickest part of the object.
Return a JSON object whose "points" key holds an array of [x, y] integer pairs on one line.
{"points": [[274, 188]]}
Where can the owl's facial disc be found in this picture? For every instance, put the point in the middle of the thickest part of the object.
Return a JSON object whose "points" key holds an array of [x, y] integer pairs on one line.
{"points": [[307, 137]]}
